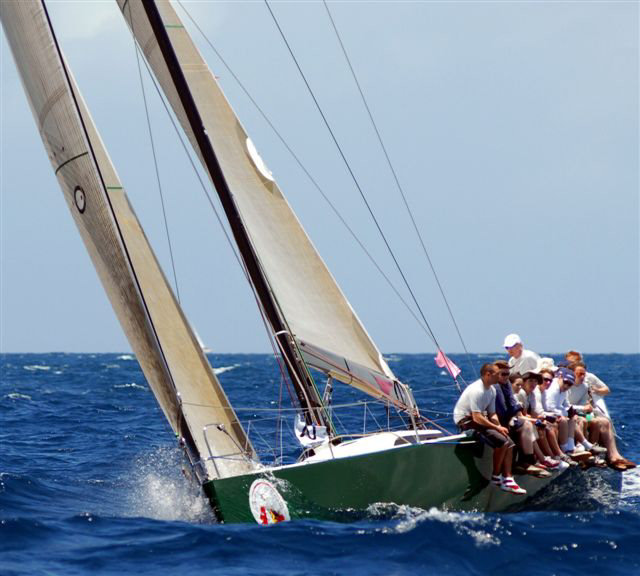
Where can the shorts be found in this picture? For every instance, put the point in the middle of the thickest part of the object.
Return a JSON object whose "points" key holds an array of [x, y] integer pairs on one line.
{"points": [[488, 436]]}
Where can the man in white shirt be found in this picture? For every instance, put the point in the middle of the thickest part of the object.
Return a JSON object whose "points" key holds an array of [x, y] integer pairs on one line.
{"points": [[558, 403], [598, 427], [553, 421], [520, 359], [476, 410]]}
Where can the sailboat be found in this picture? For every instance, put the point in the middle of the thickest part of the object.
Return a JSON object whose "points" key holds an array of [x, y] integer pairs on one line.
{"points": [[313, 326]]}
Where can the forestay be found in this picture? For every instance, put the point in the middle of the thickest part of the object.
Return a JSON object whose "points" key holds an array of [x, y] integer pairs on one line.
{"points": [[328, 333], [168, 352]]}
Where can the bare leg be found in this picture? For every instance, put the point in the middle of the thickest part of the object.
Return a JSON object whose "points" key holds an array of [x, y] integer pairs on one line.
{"points": [[552, 438], [538, 452], [498, 458], [578, 435], [527, 438], [563, 430], [608, 438], [544, 443], [594, 430], [508, 462]]}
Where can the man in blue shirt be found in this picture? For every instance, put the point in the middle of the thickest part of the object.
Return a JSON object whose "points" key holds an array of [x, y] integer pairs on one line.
{"points": [[509, 412]]}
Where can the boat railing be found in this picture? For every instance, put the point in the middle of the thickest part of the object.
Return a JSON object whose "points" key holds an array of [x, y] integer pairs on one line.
{"points": [[272, 431], [240, 454]]}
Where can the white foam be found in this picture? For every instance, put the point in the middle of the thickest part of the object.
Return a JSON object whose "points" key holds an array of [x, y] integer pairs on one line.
{"points": [[159, 489], [223, 369], [464, 523], [125, 357], [17, 396], [130, 385], [35, 367], [631, 484]]}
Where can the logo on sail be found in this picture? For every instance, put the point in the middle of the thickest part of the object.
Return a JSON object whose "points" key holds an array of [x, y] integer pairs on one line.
{"points": [[80, 199], [258, 161], [267, 506]]}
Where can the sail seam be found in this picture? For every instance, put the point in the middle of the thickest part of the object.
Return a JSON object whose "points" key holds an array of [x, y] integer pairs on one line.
{"points": [[70, 160]]}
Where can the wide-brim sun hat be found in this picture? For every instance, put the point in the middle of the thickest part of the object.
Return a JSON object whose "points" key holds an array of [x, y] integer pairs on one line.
{"points": [[546, 364], [532, 374]]}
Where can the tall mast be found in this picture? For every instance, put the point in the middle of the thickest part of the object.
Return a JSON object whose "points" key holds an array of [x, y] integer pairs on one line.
{"points": [[305, 389]]}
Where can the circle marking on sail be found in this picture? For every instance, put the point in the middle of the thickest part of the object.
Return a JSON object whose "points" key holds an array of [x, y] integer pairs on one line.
{"points": [[258, 161], [266, 503], [80, 199]]}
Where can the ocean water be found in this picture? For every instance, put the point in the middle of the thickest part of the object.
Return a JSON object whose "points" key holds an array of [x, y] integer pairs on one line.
{"points": [[91, 482]]}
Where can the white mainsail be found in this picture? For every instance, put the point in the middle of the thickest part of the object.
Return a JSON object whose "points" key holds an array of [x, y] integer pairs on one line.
{"points": [[168, 352], [325, 327]]}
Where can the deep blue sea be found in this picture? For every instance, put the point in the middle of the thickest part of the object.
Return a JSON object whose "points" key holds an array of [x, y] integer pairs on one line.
{"points": [[91, 482]]}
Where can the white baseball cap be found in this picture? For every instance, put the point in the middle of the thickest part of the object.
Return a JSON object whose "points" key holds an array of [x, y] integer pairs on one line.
{"points": [[511, 340]]}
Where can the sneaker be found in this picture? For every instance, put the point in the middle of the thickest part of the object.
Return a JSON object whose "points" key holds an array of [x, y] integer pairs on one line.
{"points": [[550, 463], [597, 450], [562, 465], [496, 480], [510, 485], [568, 460], [579, 447]]}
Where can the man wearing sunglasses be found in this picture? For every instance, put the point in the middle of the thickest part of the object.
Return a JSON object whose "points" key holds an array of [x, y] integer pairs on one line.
{"points": [[476, 410], [510, 414]]}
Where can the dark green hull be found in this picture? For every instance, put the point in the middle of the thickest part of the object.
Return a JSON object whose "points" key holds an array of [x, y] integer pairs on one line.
{"points": [[452, 476]]}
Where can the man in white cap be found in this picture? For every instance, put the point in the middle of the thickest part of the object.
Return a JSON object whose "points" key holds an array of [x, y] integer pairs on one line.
{"points": [[520, 359]]}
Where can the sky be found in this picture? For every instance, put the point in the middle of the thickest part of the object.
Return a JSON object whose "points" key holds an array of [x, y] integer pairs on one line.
{"points": [[513, 128]]}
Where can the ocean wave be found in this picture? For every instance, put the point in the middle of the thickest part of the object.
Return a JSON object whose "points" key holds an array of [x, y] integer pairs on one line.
{"points": [[476, 526], [631, 485], [125, 357], [131, 385], [18, 396], [223, 369], [34, 367]]}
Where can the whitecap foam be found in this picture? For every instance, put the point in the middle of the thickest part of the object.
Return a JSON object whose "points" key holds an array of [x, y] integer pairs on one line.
{"points": [[18, 396], [34, 367], [475, 526], [631, 484], [159, 489], [223, 369], [130, 385], [125, 357]]}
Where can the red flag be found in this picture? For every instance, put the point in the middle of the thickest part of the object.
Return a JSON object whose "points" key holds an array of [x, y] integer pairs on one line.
{"points": [[443, 362]]}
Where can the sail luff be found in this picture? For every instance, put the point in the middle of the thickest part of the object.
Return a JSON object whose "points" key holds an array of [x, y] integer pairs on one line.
{"points": [[307, 394], [179, 375]]}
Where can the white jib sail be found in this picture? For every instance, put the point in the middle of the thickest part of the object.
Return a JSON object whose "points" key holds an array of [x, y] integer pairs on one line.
{"points": [[329, 334], [168, 352]]}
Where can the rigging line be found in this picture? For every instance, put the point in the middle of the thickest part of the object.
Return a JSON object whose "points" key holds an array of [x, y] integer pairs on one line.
{"points": [[397, 181], [304, 169], [219, 219], [155, 160], [353, 177]]}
